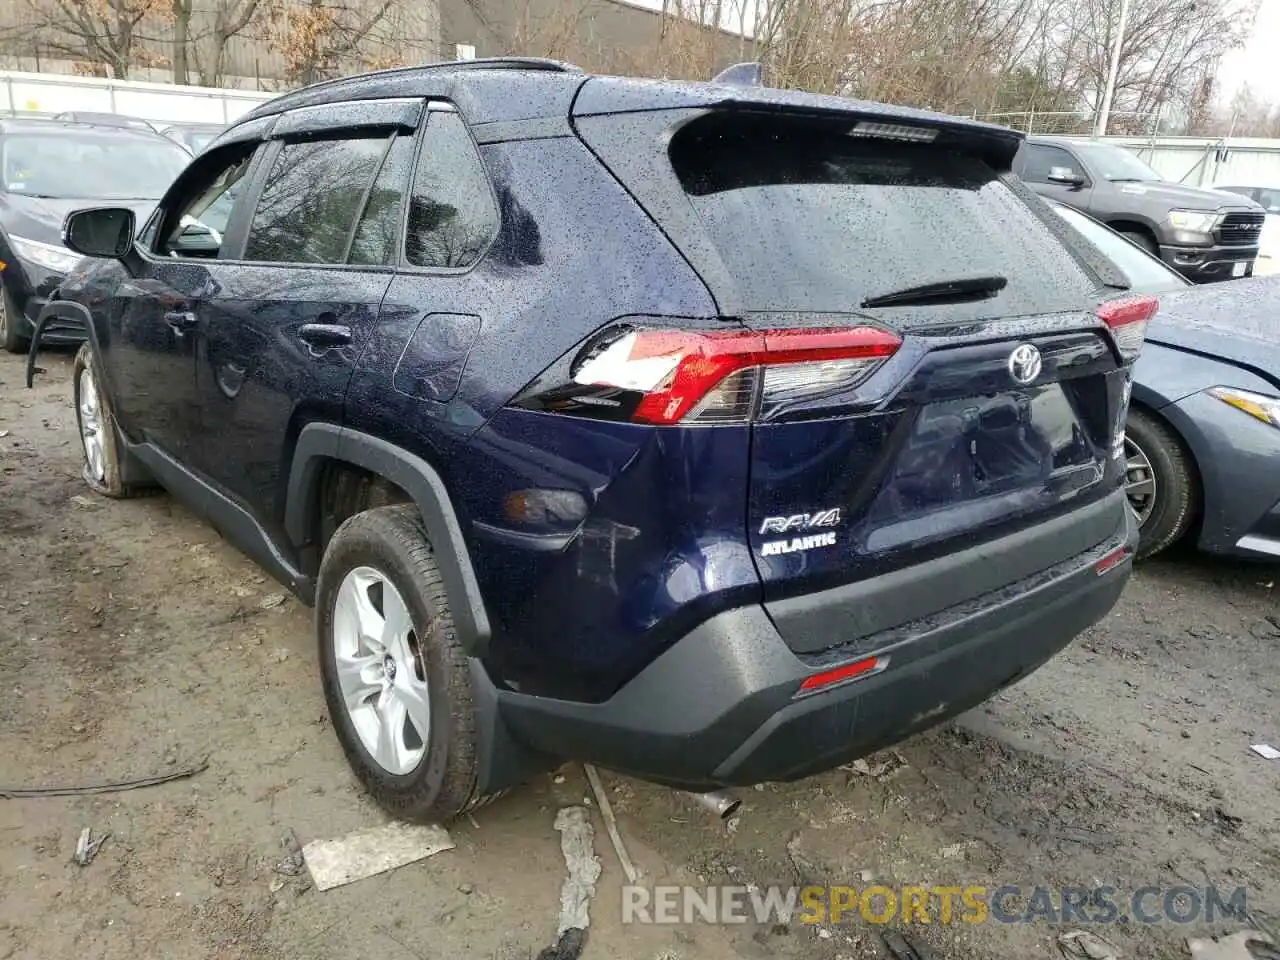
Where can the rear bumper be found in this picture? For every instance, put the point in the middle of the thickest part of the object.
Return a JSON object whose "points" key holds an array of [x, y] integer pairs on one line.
{"points": [[720, 707], [1207, 264]]}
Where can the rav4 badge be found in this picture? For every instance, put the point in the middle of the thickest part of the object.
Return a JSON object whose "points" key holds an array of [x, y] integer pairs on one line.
{"points": [[802, 521]]}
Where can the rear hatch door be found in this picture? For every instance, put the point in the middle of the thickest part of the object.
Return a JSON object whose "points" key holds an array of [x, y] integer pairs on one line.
{"points": [[996, 417]]}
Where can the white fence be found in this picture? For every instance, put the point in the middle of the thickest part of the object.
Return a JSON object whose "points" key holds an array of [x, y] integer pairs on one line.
{"points": [[1204, 161], [45, 94]]}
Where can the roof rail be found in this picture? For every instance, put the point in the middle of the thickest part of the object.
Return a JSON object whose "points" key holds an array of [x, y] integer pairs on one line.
{"points": [[478, 63], [510, 63]]}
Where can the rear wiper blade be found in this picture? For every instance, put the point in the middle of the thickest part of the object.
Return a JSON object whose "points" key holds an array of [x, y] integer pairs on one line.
{"points": [[945, 291]]}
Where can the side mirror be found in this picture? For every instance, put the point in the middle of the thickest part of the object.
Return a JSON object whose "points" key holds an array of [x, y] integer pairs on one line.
{"points": [[102, 232], [1066, 176]]}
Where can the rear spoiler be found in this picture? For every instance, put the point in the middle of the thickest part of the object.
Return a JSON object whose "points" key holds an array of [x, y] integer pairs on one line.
{"points": [[741, 75]]}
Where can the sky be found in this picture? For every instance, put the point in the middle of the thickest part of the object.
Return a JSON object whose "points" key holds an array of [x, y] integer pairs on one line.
{"points": [[1256, 63]]}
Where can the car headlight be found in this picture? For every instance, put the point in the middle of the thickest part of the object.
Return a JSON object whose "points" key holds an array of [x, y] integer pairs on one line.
{"points": [[1197, 221], [47, 255], [1264, 408]]}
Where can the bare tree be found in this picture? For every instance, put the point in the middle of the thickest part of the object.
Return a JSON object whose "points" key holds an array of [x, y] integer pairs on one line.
{"points": [[317, 38], [1248, 115], [228, 20], [1168, 47], [110, 33]]}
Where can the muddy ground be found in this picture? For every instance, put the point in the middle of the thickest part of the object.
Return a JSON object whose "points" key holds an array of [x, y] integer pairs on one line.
{"points": [[133, 641]]}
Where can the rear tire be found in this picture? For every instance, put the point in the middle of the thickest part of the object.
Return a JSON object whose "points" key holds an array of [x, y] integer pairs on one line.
{"points": [[1143, 240], [1160, 481], [10, 319], [385, 678]]}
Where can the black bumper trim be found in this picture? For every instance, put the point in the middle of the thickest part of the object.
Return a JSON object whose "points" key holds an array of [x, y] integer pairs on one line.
{"points": [[717, 709], [856, 612]]}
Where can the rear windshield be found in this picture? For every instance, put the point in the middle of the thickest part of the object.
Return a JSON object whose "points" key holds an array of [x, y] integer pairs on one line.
{"points": [[811, 219]]}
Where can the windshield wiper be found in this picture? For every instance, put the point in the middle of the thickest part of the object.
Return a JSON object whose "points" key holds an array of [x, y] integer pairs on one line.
{"points": [[945, 291], [1126, 179]]}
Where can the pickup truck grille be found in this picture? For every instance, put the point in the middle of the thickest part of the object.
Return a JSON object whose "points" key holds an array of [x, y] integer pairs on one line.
{"points": [[1241, 229]]}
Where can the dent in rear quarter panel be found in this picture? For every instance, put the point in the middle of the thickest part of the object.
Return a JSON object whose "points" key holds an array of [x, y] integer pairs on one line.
{"points": [[651, 544], [573, 253]]}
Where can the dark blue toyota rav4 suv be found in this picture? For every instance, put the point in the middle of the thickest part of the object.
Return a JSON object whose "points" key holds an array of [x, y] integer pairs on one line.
{"points": [[715, 434]]}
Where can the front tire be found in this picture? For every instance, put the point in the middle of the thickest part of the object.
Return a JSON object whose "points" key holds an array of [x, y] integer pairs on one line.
{"points": [[10, 320], [396, 680], [98, 433], [1160, 481]]}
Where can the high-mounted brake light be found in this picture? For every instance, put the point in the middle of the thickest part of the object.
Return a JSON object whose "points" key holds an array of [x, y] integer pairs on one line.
{"points": [[1128, 318], [667, 376], [893, 131]]}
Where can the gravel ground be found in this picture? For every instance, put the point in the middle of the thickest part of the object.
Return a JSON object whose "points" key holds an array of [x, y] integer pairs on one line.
{"points": [[134, 641]]}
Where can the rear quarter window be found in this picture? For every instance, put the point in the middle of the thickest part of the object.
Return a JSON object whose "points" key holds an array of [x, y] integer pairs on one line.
{"points": [[813, 219]]}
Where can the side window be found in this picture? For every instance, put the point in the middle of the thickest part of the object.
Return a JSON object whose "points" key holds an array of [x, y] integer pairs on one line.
{"points": [[196, 227], [374, 241], [1270, 199], [452, 215], [1041, 159], [311, 199]]}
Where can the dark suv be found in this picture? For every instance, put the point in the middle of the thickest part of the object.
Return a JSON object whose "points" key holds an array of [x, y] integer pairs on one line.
{"points": [[713, 434]]}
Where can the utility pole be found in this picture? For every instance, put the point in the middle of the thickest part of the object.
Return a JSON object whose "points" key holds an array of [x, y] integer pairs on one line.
{"points": [[1100, 128]]}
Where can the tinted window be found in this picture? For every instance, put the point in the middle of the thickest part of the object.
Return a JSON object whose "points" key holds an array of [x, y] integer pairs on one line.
{"points": [[1145, 273], [92, 165], [1116, 163], [1040, 159], [812, 219], [452, 217], [311, 199], [379, 226]]}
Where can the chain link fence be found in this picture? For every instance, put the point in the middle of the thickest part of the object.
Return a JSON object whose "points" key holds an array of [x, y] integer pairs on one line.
{"points": [[1074, 122]]}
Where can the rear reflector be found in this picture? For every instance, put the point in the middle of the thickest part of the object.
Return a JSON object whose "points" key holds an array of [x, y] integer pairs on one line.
{"points": [[849, 671], [1128, 318], [666, 376], [1111, 560]]}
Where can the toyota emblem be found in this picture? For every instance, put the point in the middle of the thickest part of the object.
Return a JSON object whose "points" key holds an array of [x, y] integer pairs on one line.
{"points": [[1025, 364]]}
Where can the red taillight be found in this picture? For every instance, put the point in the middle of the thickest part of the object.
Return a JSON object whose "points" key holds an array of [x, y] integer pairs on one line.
{"points": [[1128, 318], [729, 376], [842, 674]]}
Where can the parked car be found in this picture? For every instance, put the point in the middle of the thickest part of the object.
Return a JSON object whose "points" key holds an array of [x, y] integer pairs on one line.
{"points": [[1202, 234], [1268, 262], [49, 169], [194, 136], [106, 119], [602, 419], [1202, 442]]}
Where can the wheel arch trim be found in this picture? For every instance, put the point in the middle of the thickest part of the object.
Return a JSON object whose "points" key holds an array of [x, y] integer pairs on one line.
{"points": [[319, 443], [65, 309]]}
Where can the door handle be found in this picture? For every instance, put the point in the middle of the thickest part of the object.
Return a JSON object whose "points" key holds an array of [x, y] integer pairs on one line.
{"points": [[181, 320], [325, 334]]}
